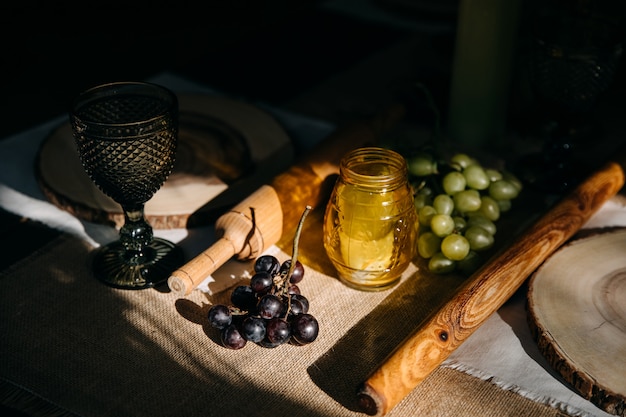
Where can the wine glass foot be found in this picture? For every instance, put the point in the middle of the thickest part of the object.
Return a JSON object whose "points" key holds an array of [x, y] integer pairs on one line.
{"points": [[112, 265]]}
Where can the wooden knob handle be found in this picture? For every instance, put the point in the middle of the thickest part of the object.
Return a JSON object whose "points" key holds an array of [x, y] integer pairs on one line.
{"points": [[485, 292], [186, 278], [248, 229]]}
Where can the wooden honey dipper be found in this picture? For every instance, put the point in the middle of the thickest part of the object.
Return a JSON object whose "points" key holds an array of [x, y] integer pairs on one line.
{"points": [[258, 222]]}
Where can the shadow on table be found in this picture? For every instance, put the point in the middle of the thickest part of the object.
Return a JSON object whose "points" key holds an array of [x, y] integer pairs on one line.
{"points": [[72, 344]]}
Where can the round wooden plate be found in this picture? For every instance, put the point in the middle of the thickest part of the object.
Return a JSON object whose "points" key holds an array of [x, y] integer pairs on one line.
{"points": [[577, 314], [227, 149]]}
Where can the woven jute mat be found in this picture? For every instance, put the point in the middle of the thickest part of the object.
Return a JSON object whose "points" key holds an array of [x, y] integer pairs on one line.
{"points": [[71, 346]]}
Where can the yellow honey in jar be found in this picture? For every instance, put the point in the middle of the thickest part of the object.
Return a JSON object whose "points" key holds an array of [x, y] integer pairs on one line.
{"points": [[370, 223]]}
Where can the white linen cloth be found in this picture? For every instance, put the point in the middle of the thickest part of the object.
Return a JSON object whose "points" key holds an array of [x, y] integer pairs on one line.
{"points": [[501, 350]]}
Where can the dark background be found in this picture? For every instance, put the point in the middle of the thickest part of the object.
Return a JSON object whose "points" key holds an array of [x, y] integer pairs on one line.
{"points": [[261, 50], [275, 51]]}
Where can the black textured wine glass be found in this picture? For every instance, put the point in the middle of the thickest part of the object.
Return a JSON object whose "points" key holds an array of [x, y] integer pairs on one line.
{"points": [[126, 134]]}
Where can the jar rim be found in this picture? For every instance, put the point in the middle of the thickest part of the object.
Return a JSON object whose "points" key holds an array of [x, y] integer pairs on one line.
{"points": [[374, 166]]}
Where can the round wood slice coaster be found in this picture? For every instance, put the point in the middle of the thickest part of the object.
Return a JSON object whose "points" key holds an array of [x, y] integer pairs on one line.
{"points": [[577, 314], [226, 150]]}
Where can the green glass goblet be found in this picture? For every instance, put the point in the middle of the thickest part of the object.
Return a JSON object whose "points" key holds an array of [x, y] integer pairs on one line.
{"points": [[126, 134]]}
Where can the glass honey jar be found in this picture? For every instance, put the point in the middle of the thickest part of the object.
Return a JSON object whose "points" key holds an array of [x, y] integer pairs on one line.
{"points": [[370, 222]]}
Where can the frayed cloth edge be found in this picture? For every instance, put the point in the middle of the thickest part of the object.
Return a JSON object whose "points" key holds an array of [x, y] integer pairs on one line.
{"points": [[552, 402]]}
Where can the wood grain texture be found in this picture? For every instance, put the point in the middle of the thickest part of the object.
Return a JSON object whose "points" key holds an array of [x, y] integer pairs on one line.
{"points": [[484, 292], [577, 316]]}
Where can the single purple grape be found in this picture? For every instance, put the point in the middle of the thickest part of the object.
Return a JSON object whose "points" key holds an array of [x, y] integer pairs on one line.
{"points": [[293, 289], [298, 271], [243, 298], [253, 329], [302, 300], [278, 330], [270, 306], [219, 316], [267, 263], [296, 307], [304, 329], [261, 283], [232, 338]]}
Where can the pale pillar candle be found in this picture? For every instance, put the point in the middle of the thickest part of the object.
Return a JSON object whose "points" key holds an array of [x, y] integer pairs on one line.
{"points": [[481, 72]]}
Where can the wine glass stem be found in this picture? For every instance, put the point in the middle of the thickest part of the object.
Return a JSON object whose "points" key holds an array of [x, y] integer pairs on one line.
{"points": [[136, 234]]}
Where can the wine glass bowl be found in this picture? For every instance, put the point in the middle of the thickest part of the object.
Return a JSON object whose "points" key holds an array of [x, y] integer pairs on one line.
{"points": [[126, 134]]}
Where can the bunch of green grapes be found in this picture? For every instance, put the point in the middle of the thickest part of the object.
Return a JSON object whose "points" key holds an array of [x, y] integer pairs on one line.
{"points": [[459, 203]]}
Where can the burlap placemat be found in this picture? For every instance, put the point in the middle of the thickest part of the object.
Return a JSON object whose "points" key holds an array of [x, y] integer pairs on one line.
{"points": [[72, 346]]}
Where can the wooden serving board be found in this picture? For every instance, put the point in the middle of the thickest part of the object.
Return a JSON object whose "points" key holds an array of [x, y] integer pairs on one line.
{"points": [[577, 313], [227, 148]]}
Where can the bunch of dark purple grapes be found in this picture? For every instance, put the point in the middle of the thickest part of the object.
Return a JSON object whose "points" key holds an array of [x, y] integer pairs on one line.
{"points": [[270, 311]]}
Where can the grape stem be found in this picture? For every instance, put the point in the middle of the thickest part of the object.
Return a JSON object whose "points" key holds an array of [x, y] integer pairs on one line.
{"points": [[294, 255], [236, 311]]}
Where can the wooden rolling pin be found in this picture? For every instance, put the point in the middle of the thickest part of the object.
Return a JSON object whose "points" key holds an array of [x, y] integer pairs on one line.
{"points": [[260, 220], [484, 293]]}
